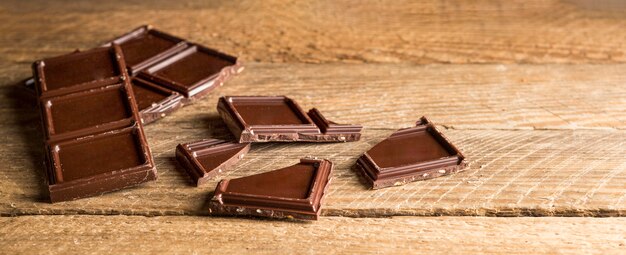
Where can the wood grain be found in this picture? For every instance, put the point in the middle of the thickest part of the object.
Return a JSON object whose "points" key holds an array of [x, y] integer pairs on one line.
{"points": [[330, 235], [484, 31], [577, 169]]}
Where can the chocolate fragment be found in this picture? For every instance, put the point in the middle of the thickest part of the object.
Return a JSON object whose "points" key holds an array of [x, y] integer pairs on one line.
{"points": [[93, 135], [204, 159], [410, 154], [280, 119], [293, 192]]}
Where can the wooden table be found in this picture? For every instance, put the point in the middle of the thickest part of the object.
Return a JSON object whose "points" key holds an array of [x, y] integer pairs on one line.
{"points": [[533, 92]]}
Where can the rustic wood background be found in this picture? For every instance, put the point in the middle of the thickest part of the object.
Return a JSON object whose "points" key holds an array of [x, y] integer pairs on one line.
{"points": [[533, 92]]}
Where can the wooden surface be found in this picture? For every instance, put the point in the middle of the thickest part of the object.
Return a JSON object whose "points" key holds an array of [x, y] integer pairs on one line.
{"points": [[533, 92], [330, 235]]}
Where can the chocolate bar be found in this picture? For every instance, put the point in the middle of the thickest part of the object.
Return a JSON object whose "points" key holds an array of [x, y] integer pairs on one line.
{"points": [[411, 154], [293, 192], [175, 71], [280, 119], [94, 137], [204, 159]]}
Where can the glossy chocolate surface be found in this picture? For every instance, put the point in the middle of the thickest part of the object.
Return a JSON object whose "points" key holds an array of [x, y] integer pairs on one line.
{"points": [[411, 154], [76, 69], [202, 160], [280, 119], [408, 149], [87, 109], [154, 101], [145, 46], [293, 192], [104, 153]]}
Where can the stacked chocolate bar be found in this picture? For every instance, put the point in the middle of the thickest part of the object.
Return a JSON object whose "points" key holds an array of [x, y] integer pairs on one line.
{"points": [[93, 105]]}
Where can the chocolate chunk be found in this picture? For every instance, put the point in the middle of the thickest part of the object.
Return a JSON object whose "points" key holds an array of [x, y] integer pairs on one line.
{"points": [[204, 159], [93, 135], [294, 192], [280, 119], [411, 154]]}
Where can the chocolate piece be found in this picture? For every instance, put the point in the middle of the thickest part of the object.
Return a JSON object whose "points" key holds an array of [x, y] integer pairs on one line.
{"points": [[280, 119], [293, 192], [194, 71], [411, 154], [204, 159], [99, 163], [145, 46], [94, 139], [154, 101]]}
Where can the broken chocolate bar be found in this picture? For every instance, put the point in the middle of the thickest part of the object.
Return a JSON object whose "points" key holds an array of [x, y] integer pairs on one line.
{"points": [[176, 72], [411, 154], [204, 159], [94, 138], [280, 119], [293, 192]]}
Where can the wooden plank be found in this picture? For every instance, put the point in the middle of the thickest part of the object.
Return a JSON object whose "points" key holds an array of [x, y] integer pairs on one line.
{"points": [[329, 235], [395, 96], [578, 171], [512, 173], [485, 31]]}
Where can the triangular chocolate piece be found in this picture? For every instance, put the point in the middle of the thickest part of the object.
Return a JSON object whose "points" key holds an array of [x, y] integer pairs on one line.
{"points": [[293, 192], [411, 154], [204, 159]]}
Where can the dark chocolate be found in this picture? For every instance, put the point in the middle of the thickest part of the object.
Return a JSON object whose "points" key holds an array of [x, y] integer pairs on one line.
{"points": [[280, 119], [293, 192], [411, 154], [193, 72], [203, 160], [94, 137]]}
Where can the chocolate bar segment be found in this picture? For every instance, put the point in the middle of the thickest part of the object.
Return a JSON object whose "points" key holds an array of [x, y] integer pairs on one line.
{"points": [[280, 119], [194, 71], [99, 163], [94, 137], [79, 71], [204, 159], [411, 154], [294, 192]]}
